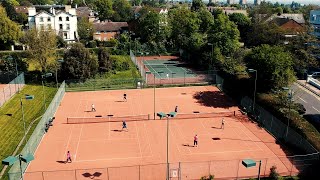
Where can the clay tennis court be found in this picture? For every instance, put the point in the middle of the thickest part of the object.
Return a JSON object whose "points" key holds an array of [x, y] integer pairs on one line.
{"points": [[103, 151]]}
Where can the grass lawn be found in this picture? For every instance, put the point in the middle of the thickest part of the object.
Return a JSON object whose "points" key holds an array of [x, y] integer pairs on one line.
{"points": [[11, 125]]}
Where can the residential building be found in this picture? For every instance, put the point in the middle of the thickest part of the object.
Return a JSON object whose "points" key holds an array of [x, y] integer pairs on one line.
{"points": [[85, 12], [227, 10], [230, 2], [242, 2], [106, 30], [62, 19], [315, 22], [257, 2]]}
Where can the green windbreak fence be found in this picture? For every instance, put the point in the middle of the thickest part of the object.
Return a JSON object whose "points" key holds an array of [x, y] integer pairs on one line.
{"points": [[35, 138], [103, 84]]}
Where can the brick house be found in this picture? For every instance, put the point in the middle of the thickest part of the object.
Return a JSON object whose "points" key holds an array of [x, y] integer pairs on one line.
{"points": [[106, 30], [290, 23]]}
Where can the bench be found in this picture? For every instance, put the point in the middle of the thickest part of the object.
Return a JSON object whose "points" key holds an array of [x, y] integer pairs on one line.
{"points": [[161, 115]]}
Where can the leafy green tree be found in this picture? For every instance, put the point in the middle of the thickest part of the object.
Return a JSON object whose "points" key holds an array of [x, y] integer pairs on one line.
{"points": [[243, 22], [41, 2], [224, 35], [42, 47], [85, 29], [264, 33], [206, 19], [104, 8], [123, 11], [78, 63], [106, 64], [148, 25], [274, 66], [183, 24], [10, 31], [197, 5], [136, 2]]}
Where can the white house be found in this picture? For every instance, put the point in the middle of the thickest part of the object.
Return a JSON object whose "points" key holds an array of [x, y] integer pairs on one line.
{"points": [[63, 21]]}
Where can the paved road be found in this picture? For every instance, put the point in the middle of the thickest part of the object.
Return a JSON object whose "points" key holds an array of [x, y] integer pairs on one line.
{"points": [[310, 101]]}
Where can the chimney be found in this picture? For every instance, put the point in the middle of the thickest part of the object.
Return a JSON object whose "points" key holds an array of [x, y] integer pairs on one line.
{"points": [[32, 11], [76, 6]]}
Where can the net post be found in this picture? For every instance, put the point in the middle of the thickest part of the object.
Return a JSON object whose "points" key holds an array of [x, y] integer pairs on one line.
{"points": [[148, 116], [234, 113]]}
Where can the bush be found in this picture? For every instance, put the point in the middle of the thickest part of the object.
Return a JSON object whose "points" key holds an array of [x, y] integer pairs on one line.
{"points": [[210, 177], [299, 108], [92, 44], [273, 173]]}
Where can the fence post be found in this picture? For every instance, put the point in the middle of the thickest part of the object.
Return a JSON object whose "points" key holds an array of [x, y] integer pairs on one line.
{"points": [[265, 167], [209, 168], [42, 175], [139, 172], [179, 171], [108, 173], [238, 169]]}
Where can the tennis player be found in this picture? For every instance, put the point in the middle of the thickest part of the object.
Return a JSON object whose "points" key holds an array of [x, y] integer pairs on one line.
{"points": [[222, 123], [125, 97], [93, 108], [124, 125], [68, 157], [195, 141], [176, 109]]}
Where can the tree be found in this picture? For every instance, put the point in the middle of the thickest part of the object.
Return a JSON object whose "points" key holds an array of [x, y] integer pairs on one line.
{"points": [[136, 2], [264, 33], [42, 46], [106, 64], [78, 63], [224, 35], [148, 25], [197, 5], [10, 31], [123, 11], [206, 19], [274, 66], [243, 23], [104, 8], [183, 24], [85, 29]]}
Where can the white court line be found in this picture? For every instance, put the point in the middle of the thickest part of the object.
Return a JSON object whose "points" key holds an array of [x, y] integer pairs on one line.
{"points": [[75, 155], [106, 159], [116, 139], [221, 152], [302, 100], [182, 136], [315, 109], [250, 137], [138, 139]]}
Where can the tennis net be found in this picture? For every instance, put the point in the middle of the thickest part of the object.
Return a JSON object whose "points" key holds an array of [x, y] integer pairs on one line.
{"points": [[108, 118], [200, 115]]}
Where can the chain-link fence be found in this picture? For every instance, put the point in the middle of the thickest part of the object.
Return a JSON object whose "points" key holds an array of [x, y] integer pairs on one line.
{"points": [[138, 63], [221, 169], [8, 90], [277, 128], [38, 133], [103, 84]]}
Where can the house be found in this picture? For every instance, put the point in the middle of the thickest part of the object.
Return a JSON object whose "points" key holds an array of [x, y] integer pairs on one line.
{"points": [[21, 9], [106, 30], [227, 10], [291, 24], [315, 22], [85, 12], [62, 19]]}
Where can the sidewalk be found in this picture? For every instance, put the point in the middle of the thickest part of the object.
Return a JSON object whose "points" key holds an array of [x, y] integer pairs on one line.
{"points": [[308, 86]]}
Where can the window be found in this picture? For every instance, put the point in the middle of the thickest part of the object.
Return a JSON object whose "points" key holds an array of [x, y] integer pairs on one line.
{"points": [[60, 27], [60, 18], [49, 19], [41, 19], [68, 26], [65, 35], [67, 18]]}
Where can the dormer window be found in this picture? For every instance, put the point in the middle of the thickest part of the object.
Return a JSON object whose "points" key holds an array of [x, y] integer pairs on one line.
{"points": [[67, 18], [60, 18], [41, 19]]}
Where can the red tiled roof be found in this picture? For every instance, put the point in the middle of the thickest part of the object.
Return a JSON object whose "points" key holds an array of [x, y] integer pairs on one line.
{"points": [[110, 26], [21, 9]]}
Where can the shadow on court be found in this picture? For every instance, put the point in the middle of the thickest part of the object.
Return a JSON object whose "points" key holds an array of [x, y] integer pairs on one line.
{"points": [[216, 127], [61, 162], [187, 145], [213, 99]]}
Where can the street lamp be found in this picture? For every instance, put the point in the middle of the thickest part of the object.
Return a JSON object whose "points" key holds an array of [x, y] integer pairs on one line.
{"points": [[289, 98], [251, 163], [171, 114], [255, 87], [10, 160], [27, 97], [10, 58], [59, 61], [44, 96], [210, 44]]}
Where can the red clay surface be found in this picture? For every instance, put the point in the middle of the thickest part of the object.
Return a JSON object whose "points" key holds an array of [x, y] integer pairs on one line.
{"points": [[97, 147]]}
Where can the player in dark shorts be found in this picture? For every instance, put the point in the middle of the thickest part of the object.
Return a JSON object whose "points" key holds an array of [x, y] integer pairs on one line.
{"points": [[176, 109], [124, 125], [125, 97], [68, 157], [195, 141]]}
